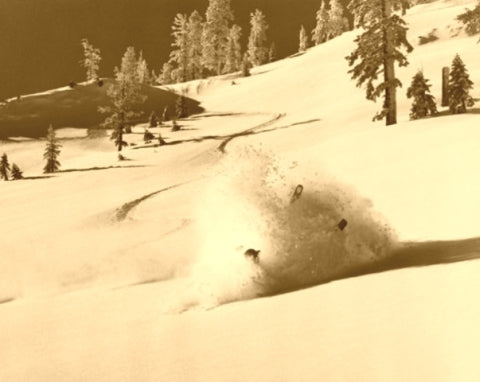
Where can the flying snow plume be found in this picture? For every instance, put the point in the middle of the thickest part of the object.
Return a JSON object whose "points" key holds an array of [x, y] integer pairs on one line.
{"points": [[248, 205]]}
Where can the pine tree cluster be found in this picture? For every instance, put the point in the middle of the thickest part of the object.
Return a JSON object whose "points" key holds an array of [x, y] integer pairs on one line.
{"points": [[211, 45], [331, 22], [5, 169]]}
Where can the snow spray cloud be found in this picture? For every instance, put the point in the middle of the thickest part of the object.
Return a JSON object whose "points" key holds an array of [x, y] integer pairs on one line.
{"points": [[248, 206]]}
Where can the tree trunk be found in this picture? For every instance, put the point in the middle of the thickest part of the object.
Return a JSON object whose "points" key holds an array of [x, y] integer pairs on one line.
{"points": [[390, 104], [445, 77]]}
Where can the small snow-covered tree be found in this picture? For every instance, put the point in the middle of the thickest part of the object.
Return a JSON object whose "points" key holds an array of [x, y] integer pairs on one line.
{"points": [[216, 29], [320, 32], [471, 19], [4, 167], [166, 75], [52, 151], [337, 22], [17, 174], [272, 53], [303, 43], [195, 51], [246, 65], [181, 107], [91, 59], [257, 41], [125, 95], [459, 87], [153, 120], [179, 57], [234, 54], [377, 51], [423, 102], [165, 115], [148, 136]]}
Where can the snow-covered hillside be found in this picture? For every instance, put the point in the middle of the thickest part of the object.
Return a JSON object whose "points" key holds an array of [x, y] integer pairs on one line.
{"points": [[134, 270]]}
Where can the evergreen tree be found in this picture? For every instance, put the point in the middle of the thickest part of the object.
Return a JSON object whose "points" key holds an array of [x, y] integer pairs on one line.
{"points": [[245, 66], [125, 95], [153, 120], [4, 167], [161, 141], [143, 74], [166, 75], [218, 17], [337, 22], [179, 57], [303, 44], [17, 174], [175, 125], [148, 136], [471, 18], [320, 33], [234, 54], [376, 53], [181, 107], [257, 50], [52, 151], [195, 31], [458, 87], [366, 12], [423, 102], [272, 53], [165, 115], [91, 59]]}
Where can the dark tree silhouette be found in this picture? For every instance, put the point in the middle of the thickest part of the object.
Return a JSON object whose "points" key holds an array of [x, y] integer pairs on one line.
{"points": [[459, 85], [423, 102], [52, 151], [16, 172], [4, 167], [153, 122]]}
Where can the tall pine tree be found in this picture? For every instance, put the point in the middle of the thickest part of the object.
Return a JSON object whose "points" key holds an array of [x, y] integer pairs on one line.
{"points": [[216, 30], [423, 102], [179, 57], [143, 74], [52, 151], [4, 167], [234, 50], [337, 22], [303, 40], [257, 41], [378, 49], [91, 59], [195, 50], [125, 95], [320, 32], [459, 86]]}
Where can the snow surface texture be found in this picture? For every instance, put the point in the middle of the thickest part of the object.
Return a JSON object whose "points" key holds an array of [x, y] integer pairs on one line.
{"points": [[98, 260]]}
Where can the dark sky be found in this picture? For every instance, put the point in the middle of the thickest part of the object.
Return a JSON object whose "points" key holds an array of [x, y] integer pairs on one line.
{"points": [[40, 39]]}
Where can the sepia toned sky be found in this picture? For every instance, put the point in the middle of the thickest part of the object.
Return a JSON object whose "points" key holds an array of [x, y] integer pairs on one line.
{"points": [[40, 39]]}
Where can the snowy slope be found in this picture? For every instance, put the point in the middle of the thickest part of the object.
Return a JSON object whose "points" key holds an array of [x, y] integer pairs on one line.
{"points": [[101, 260]]}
